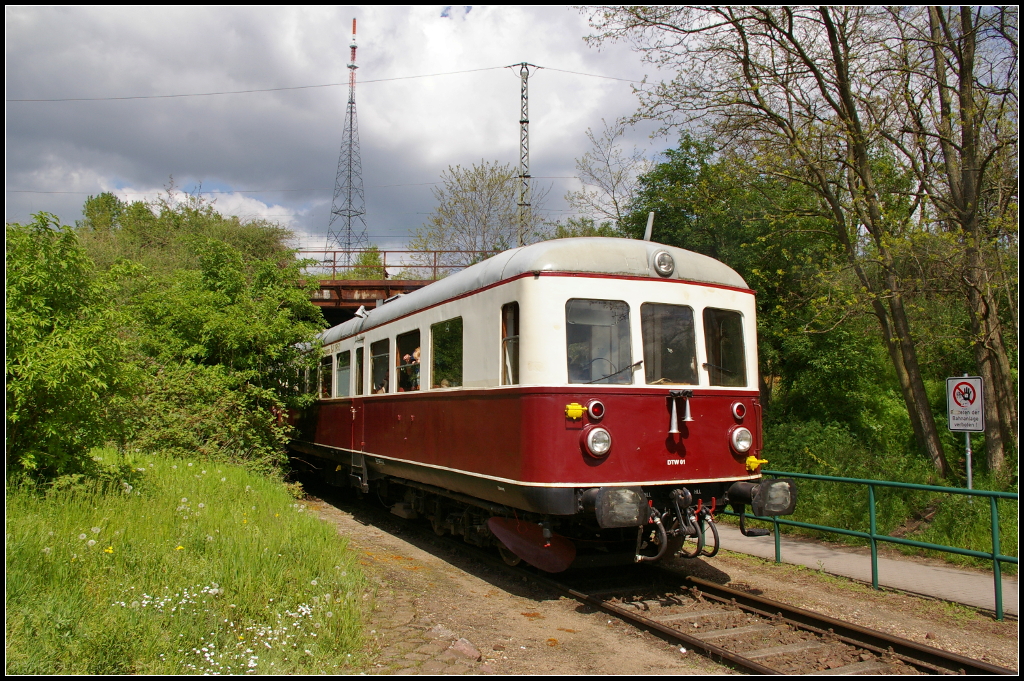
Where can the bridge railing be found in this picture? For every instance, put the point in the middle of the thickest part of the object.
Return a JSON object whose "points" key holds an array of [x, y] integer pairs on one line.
{"points": [[342, 264], [874, 536]]}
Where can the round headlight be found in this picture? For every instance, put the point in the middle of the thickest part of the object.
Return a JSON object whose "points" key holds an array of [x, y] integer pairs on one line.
{"points": [[741, 439], [598, 441], [664, 263]]}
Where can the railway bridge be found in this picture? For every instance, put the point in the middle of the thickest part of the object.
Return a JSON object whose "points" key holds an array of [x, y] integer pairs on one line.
{"points": [[347, 282]]}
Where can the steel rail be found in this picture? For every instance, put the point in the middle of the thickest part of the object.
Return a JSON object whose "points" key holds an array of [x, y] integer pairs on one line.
{"points": [[854, 634], [925, 658]]}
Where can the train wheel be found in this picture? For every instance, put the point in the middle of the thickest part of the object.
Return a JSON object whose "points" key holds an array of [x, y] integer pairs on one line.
{"points": [[509, 557]]}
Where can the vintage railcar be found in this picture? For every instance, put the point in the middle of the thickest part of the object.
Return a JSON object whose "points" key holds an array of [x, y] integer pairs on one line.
{"points": [[567, 401]]}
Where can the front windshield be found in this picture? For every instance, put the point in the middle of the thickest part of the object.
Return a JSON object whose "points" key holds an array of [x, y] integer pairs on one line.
{"points": [[597, 341], [670, 348], [723, 339]]}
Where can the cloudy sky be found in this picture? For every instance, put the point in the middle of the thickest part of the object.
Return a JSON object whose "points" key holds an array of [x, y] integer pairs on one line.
{"points": [[250, 147]]}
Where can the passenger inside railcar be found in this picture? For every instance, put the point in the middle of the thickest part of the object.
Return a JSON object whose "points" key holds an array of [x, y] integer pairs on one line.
{"points": [[407, 361], [380, 353]]}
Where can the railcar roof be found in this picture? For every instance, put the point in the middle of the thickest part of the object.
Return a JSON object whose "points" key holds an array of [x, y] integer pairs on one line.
{"points": [[596, 255]]}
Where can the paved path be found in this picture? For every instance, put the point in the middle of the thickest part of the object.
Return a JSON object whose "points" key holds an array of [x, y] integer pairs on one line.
{"points": [[948, 583]]}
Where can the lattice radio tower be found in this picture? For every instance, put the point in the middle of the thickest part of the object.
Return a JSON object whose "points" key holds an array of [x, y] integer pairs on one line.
{"points": [[348, 207]]}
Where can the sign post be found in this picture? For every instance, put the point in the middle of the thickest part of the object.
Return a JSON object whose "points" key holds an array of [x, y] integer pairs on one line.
{"points": [[966, 410]]}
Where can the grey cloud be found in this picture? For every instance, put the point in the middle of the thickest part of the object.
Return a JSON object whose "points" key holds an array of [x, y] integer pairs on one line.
{"points": [[409, 130]]}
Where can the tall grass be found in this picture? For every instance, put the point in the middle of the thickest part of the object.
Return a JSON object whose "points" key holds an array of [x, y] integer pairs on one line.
{"points": [[187, 567]]}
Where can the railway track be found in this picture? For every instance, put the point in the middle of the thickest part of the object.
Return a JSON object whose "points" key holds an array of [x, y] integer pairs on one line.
{"points": [[751, 633]]}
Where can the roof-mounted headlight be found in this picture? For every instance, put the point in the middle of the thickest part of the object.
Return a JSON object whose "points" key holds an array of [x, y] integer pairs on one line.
{"points": [[663, 263]]}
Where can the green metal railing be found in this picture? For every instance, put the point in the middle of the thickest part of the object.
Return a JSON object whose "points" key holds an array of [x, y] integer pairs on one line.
{"points": [[874, 537]]}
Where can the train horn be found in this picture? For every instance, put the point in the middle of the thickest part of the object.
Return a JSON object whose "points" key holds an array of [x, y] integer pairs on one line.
{"points": [[673, 423], [686, 411], [674, 395]]}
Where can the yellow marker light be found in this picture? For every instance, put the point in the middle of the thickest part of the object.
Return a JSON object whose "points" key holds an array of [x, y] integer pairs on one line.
{"points": [[574, 411], [753, 462]]}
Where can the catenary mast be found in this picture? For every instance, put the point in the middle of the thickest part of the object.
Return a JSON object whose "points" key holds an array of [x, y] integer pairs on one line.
{"points": [[348, 207]]}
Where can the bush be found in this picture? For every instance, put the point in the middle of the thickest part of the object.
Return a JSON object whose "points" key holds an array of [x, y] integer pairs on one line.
{"points": [[69, 380]]}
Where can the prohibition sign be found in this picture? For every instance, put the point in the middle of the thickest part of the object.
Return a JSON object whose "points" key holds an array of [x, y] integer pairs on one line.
{"points": [[964, 395], [965, 404]]}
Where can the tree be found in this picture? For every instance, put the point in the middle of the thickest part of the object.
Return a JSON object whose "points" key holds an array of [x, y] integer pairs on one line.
{"points": [[576, 227], [609, 176], [368, 265], [477, 214], [795, 90], [955, 125], [68, 368]]}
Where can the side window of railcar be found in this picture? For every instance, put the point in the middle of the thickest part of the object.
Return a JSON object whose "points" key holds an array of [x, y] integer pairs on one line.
{"points": [[446, 354], [407, 361], [510, 344], [723, 337], [597, 341], [670, 348], [342, 374], [379, 365], [326, 376], [359, 370]]}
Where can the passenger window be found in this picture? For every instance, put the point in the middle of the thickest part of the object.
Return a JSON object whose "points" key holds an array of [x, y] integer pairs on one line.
{"points": [[342, 374], [723, 337], [359, 371], [670, 348], [407, 360], [379, 365], [510, 344], [446, 354], [326, 376], [597, 341]]}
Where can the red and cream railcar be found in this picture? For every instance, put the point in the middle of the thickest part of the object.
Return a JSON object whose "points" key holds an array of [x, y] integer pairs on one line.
{"points": [[554, 397]]}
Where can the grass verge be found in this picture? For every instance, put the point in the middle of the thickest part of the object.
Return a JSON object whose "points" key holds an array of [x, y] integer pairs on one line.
{"points": [[185, 567]]}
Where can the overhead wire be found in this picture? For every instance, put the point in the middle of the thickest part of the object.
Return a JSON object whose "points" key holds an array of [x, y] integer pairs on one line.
{"points": [[300, 87]]}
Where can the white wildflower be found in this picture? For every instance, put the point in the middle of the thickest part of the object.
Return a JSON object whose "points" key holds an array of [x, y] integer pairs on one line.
{"points": [[81, 536], [95, 530], [91, 542]]}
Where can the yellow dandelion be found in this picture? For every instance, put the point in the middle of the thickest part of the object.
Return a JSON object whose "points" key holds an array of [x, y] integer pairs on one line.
{"points": [[178, 548], [109, 549], [244, 520]]}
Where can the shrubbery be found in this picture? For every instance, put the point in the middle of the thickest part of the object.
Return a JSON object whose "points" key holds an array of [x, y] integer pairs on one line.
{"points": [[197, 351], [70, 370]]}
